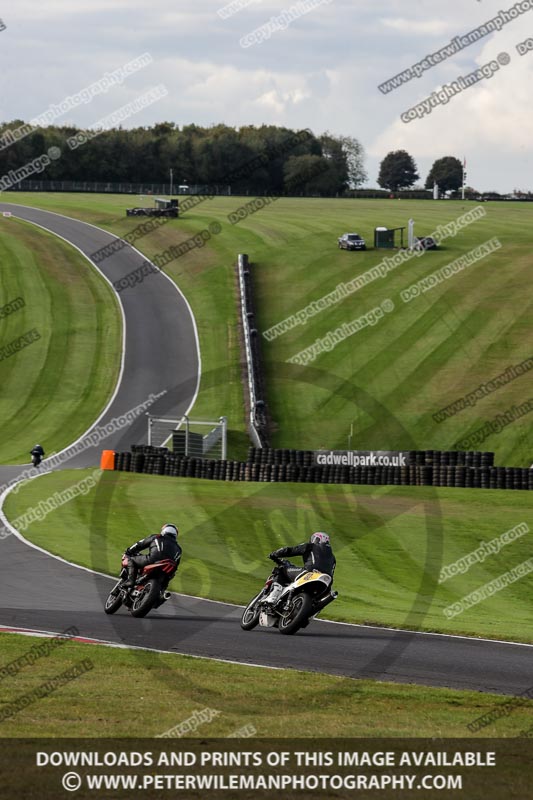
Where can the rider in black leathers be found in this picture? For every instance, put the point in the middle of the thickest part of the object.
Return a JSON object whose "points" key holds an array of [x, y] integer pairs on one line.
{"points": [[316, 553], [37, 452], [162, 545]]}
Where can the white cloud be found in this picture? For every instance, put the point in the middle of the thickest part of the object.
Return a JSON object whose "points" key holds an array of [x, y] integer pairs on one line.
{"points": [[418, 27], [494, 112], [278, 101]]}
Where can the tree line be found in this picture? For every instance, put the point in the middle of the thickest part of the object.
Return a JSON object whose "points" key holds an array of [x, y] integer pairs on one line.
{"points": [[259, 159], [265, 159]]}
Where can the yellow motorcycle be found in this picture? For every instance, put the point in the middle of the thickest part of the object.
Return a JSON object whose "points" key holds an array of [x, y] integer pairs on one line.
{"points": [[298, 603]]}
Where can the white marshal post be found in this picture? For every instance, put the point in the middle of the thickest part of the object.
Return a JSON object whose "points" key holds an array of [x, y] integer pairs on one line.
{"points": [[411, 234], [464, 177]]}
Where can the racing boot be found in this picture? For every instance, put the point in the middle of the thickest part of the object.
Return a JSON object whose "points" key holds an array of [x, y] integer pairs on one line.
{"points": [[272, 598], [129, 583]]}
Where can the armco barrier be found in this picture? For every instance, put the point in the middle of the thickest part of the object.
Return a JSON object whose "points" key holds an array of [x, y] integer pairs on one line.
{"points": [[255, 391], [296, 466]]}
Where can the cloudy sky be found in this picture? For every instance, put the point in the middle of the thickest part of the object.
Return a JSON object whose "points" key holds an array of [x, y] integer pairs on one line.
{"points": [[319, 66]]}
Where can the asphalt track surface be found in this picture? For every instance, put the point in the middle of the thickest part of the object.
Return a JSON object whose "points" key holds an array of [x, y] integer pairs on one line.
{"points": [[42, 593]]}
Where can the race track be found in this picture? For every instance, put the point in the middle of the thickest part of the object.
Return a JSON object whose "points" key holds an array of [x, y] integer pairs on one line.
{"points": [[40, 592], [160, 344]]}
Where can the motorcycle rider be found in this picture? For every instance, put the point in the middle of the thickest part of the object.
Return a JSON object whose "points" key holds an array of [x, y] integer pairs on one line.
{"points": [[162, 545], [37, 454], [317, 555]]}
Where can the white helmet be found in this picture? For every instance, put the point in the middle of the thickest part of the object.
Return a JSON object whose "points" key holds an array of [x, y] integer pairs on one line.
{"points": [[169, 529], [320, 537]]}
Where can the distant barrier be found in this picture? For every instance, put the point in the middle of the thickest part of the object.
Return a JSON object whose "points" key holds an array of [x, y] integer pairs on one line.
{"points": [[428, 468], [117, 187]]}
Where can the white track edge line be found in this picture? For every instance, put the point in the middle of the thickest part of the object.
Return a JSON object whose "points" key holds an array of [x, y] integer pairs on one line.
{"points": [[120, 646]]}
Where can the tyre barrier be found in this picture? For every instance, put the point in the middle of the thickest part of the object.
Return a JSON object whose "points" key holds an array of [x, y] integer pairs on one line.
{"points": [[160, 461], [423, 458]]}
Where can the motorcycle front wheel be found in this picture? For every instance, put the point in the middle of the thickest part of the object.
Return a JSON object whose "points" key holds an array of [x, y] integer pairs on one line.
{"points": [[250, 615], [114, 601], [147, 599], [297, 615]]}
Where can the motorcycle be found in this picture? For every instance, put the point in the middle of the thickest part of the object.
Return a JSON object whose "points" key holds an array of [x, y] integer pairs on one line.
{"points": [[297, 604], [36, 459], [148, 592]]}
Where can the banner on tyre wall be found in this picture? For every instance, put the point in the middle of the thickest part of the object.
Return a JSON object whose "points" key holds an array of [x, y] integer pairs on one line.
{"points": [[362, 458]]}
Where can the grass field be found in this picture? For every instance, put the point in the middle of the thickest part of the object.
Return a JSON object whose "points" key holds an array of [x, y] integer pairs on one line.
{"points": [[306, 702], [54, 388], [386, 380], [391, 542]]}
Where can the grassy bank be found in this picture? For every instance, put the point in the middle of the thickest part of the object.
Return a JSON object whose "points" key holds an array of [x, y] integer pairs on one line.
{"points": [[55, 387]]}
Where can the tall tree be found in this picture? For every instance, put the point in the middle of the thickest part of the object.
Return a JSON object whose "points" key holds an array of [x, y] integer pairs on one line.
{"points": [[397, 171], [355, 161], [447, 172], [335, 164]]}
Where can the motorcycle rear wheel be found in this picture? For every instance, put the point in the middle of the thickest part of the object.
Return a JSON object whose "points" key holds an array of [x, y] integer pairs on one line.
{"points": [[298, 614], [147, 599]]}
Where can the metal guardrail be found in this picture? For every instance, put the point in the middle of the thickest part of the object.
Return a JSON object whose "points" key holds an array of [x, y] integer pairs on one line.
{"points": [[256, 432], [118, 187]]}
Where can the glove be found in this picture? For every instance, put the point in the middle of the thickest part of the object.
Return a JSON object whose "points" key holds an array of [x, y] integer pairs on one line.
{"points": [[273, 555]]}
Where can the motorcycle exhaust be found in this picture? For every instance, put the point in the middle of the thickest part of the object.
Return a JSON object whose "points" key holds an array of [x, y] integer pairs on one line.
{"points": [[326, 601], [166, 595]]}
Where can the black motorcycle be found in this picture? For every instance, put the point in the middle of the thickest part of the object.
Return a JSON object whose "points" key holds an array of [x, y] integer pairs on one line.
{"points": [[149, 591]]}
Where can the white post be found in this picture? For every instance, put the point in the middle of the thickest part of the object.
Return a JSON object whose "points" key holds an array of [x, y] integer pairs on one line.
{"points": [[411, 234], [224, 422], [171, 180], [436, 191], [464, 178]]}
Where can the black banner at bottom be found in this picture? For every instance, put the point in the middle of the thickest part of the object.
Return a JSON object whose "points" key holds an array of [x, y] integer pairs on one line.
{"points": [[267, 768]]}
